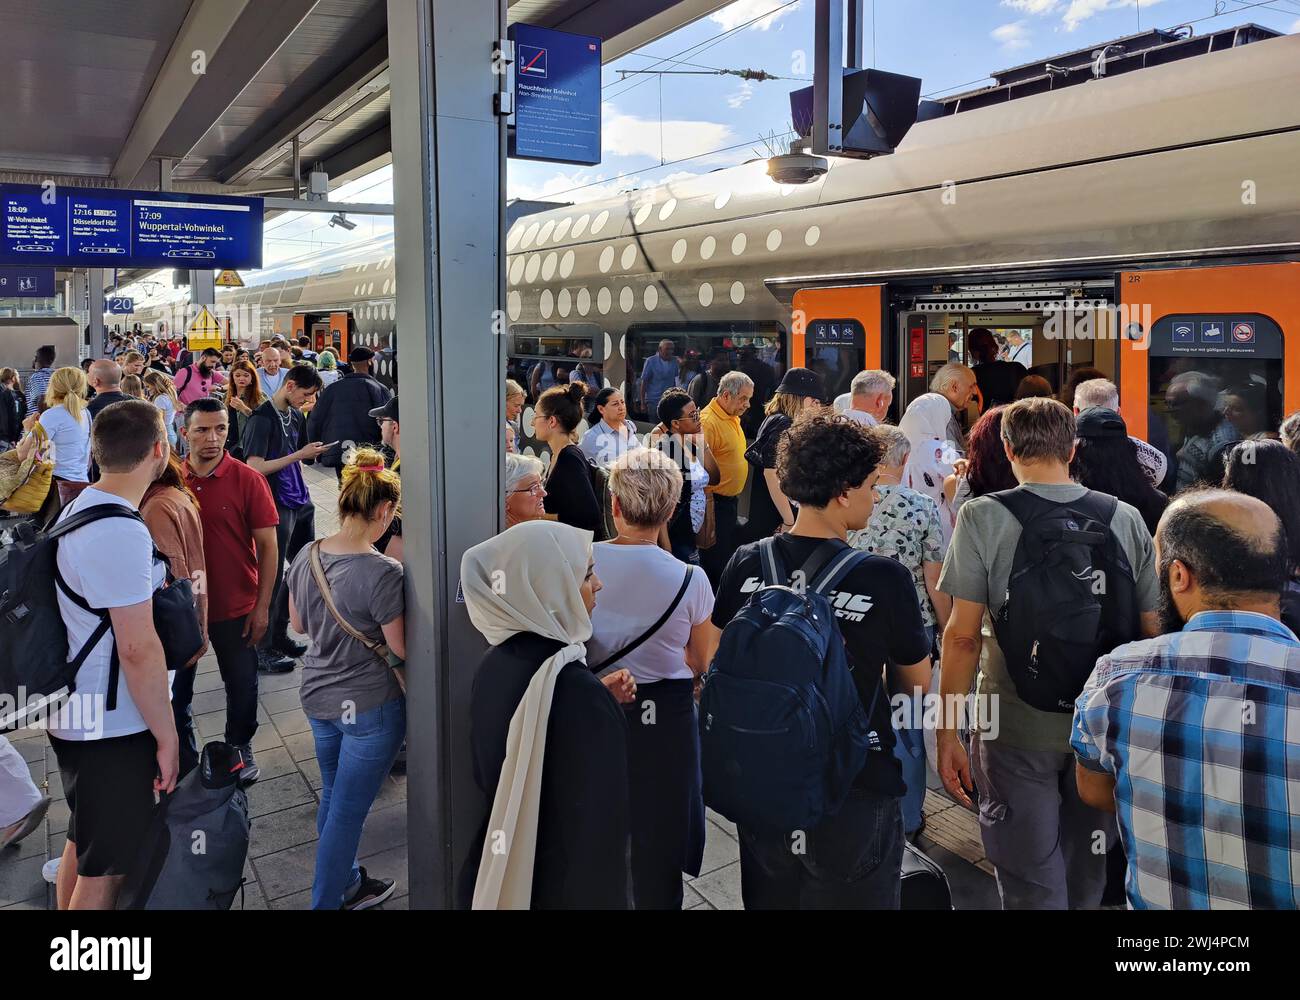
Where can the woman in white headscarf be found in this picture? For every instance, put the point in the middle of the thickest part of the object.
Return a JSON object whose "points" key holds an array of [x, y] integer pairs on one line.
{"points": [[549, 742], [932, 456]]}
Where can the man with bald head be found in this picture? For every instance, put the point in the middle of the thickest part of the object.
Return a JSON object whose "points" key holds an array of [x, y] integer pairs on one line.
{"points": [[105, 377], [270, 374], [1185, 735]]}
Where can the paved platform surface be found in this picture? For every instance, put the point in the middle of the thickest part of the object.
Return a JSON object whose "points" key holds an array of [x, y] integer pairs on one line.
{"points": [[283, 806]]}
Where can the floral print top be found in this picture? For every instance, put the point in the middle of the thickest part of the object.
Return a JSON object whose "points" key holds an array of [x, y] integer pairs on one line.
{"points": [[904, 526]]}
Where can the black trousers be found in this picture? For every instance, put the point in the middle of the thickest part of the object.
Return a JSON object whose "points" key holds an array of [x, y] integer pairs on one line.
{"points": [[238, 665], [715, 559], [664, 792], [297, 529], [849, 861]]}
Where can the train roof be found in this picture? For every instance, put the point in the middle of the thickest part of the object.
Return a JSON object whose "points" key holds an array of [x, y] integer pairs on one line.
{"points": [[1222, 94]]}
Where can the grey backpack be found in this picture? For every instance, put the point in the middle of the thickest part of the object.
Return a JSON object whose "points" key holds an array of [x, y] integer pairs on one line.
{"points": [[193, 854]]}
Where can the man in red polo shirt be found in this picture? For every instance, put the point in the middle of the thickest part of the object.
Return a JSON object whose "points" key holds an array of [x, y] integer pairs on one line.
{"points": [[239, 545]]}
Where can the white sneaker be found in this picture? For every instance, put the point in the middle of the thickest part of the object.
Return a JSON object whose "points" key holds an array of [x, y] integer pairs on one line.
{"points": [[50, 870]]}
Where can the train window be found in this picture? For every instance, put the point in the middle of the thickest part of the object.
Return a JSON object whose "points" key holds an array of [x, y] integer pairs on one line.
{"points": [[542, 356], [1199, 409], [757, 349]]}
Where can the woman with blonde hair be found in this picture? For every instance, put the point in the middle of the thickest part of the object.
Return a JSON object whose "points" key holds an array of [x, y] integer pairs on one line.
{"points": [[132, 386], [67, 424], [653, 622], [160, 390], [348, 599]]}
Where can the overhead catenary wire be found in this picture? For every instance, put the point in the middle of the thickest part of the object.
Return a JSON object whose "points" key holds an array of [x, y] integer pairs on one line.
{"points": [[699, 47], [669, 163]]}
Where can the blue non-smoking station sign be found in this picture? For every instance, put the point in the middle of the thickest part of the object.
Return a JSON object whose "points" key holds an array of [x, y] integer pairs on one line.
{"points": [[83, 227], [557, 96]]}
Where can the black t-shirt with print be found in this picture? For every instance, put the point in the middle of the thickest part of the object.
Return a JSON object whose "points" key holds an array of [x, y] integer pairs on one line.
{"points": [[879, 616]]}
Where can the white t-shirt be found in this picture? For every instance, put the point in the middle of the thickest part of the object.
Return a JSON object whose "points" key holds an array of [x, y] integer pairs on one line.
{"points": [[638, 583], [110, 565], [862, 417], [71, 441]]}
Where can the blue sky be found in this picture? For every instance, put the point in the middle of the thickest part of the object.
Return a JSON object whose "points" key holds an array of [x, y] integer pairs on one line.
{"points": [[950, 44]]}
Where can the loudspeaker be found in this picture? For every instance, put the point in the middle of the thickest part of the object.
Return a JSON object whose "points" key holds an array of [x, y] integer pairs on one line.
{"points": [[878, 109]]}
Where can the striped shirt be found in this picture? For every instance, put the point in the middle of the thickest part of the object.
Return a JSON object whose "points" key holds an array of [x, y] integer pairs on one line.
{"points": [[1201, 730], [37, 382]]}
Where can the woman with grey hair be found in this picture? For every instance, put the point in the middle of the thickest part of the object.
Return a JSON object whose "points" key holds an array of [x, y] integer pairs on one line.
{"points": [[525, 492], [653, 620], [905, 527]]}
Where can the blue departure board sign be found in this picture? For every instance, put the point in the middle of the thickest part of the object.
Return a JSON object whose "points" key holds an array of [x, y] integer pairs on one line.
{"points": [[86, 227], [557, 96]]}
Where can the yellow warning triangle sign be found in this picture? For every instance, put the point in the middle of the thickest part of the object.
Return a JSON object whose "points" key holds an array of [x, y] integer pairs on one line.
{"points": [[205, 327], [230, 279]]}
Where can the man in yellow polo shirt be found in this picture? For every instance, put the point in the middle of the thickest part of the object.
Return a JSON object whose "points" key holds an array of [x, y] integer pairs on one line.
{"points": [[722, 431]]}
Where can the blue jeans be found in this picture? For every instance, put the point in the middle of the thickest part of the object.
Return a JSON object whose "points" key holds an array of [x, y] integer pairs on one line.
{"points": [[354, 758], [909, 748]]}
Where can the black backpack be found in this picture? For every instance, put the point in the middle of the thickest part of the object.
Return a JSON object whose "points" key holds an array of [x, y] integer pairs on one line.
{"points": [[1071, 596], [34, 659], [34, 654]]}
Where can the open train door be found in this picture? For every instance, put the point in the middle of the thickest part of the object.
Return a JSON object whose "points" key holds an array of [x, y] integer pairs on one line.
{"points": [[1208, 355], [837, 332]]}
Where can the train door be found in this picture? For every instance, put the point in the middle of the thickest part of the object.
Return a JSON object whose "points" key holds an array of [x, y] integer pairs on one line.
{"points": [[338, 334], [838, 332], [1210, 355]]}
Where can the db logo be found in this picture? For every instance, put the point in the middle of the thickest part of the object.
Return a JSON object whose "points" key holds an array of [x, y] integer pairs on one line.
{"points": [[1243, 333]]}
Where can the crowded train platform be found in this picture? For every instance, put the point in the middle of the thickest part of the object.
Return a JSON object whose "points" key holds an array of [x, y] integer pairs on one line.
{"points": [[447, 464]]}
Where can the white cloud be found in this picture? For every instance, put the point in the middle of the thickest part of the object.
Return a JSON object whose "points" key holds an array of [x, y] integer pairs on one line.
{"points": [[631, 135], [1011, 36], [1081, 10], [1038, 7], [746, 10], [740, 97], [1295, 28]]}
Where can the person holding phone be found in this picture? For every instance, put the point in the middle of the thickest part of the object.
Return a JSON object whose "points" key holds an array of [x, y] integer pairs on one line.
{"points": [[275, 443]]}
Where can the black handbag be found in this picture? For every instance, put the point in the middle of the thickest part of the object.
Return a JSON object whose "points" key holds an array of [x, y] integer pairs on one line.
{"points": [[175, 617]]}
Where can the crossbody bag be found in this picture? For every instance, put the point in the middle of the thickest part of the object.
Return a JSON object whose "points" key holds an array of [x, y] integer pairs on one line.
{"points": [[606, 665], [380, 649]]}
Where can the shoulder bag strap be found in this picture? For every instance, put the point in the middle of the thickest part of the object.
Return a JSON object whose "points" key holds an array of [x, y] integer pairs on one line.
{"points": [[618, 655], [318, 573]]}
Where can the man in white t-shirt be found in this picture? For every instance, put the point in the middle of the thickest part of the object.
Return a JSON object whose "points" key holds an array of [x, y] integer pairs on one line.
{"points": [[116, 743], [870, 394]]}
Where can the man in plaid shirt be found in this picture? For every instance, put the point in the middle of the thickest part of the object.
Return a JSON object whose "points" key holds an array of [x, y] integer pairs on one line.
{"points": [[1186, 735]]}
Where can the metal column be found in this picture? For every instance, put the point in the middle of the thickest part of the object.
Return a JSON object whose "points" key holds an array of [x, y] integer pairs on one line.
{"points": [[449, 178], [95, 308]]}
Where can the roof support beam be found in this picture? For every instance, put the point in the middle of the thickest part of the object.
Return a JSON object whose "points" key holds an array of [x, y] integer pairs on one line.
{"points": [[356, 75], [204, 29], [232, 61]]}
